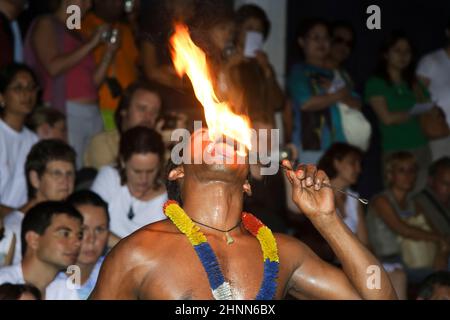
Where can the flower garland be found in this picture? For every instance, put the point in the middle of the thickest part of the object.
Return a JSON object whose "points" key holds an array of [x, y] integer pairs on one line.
{"points": [[220, 288]]}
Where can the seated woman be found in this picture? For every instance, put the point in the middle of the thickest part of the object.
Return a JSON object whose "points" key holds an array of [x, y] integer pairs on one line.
{"points": [[95, 237], [342, 164], [398, 231], [133, 188]]}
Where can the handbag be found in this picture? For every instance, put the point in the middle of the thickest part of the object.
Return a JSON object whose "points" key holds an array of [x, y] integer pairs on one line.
{"points": [[357, 129], [418, 254]]}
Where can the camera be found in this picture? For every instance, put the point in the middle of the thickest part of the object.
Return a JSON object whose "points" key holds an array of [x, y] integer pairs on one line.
{"points": [[110, 36], [129, 6]]}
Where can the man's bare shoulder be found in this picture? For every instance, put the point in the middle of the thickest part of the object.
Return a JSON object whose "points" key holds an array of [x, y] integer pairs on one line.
{"points": [[291, 250], [142, 246]]}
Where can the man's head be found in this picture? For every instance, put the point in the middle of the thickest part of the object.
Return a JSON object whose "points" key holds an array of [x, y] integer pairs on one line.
{"points": [[140, 105], [49, 123], [435, 287], [52, 233], [50, 170], [342, 41], [109, 10], [208, 163], [250, 17], [439, 179], [95, 225]]}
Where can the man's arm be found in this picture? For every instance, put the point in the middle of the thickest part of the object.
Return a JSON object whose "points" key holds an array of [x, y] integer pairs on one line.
{"points": [[358, 264]]}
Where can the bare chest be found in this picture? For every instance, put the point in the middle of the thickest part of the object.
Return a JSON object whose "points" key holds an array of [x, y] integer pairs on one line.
{"points": [[180, 274]]}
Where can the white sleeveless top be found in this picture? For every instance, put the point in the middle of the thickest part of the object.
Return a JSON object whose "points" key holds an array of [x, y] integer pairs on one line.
{"points": [[351, 218]]}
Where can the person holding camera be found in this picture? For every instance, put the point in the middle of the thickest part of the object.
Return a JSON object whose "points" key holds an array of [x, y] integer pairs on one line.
{"points": [[64, 62], [122, 70], [140, 105]]}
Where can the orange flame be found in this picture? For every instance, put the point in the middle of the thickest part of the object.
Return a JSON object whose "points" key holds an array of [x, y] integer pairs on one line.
{"points": [[191, 60]]}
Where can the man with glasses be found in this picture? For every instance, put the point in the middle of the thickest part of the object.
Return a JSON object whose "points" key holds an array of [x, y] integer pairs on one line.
{"points": [[342, 41], [50, 176]]}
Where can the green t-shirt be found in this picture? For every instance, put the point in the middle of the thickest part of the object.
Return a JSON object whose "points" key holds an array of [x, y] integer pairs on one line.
{"points": [[399, 97]]}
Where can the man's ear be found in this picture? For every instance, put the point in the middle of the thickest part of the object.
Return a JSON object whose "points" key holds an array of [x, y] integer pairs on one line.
{"points": [[247, 188], [34, 179], [176, 173], [32, 239], [301, 42], [2, 101]]}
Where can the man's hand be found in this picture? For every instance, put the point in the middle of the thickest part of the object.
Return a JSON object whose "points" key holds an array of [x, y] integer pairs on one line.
{"points": [[308, 191]]}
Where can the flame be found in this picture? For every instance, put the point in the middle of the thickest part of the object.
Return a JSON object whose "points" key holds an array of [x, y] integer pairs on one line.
{"points": [[191, 60]]}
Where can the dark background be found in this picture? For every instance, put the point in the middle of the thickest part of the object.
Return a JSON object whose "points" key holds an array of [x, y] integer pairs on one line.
{"points": [[423, 20]]}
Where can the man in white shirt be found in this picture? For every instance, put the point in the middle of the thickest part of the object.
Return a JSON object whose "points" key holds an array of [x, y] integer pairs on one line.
{"points": [[51, 240], [434, 71], [50, 176]]}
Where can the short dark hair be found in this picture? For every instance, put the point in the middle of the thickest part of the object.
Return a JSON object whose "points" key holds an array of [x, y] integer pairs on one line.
{"points": [[10, 291], [44, 152], [305, 26], [127, 98], [343, 24], [140, 140], [440, 278], [440, 164], [88, 197], [9, 72], [39, 218], [42, 115], [336, 152], [248, 11]]}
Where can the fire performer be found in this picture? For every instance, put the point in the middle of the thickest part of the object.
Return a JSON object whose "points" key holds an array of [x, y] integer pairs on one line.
{"points": [[209, 249]]}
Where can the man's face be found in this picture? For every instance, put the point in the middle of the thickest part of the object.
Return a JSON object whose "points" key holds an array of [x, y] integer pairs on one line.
{"points": [[57, 131], [251, 24], [440, 184], [61, 241], [222, 163], [143, 110], [57, 181], [341, 44], [95, 233]]}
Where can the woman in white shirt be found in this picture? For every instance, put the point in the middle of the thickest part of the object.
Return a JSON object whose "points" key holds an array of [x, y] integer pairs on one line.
{"points": [[18, 91], [134, 189]]}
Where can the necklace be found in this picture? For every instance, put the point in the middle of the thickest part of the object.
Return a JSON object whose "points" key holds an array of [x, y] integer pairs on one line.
{"points": [[220, 288], [230, 240]]}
